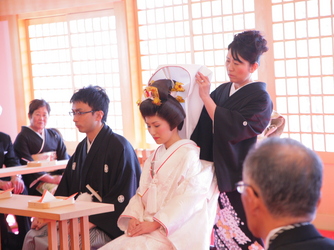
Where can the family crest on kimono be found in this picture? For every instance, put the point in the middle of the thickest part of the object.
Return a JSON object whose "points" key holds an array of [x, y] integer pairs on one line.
{"points": [[234, 114], [36, 142], [173, 198], [103, 160]]}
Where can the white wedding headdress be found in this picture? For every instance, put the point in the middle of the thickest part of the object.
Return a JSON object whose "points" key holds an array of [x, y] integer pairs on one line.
{"points": [[193, 104]]}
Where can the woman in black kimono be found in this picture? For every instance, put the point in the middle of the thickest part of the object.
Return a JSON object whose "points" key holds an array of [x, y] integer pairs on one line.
{"points": [[233, 116], [36, 140]]}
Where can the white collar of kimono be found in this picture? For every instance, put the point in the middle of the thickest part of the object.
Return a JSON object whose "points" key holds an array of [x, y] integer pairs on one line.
{"points": [[271, 233], [161, 150], [233, 90], [276, 231], [89, 144]]}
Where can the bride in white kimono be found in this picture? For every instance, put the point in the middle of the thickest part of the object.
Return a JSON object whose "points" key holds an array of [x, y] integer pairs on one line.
{"points": [[174, 207]]}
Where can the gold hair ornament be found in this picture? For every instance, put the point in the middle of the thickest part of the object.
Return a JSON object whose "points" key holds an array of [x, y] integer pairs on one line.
{"points": [[179, 99], [151, 92], [178, 88]]}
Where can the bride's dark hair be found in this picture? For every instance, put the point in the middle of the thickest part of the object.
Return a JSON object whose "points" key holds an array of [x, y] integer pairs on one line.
{"points": [[169, 109]]}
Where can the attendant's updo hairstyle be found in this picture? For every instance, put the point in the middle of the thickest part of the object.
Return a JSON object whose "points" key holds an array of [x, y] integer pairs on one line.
{"points": [[250, 45], [169, 109]]}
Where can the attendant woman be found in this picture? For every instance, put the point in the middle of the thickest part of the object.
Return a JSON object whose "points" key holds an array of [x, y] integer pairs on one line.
{"points": [[36, 140], [171, 209], [233, 116]]}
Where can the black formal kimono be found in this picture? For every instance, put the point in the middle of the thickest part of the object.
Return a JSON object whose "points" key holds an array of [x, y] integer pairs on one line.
{"points": [[7, 154], [9, 159], [28, 143], [304, 237], [238, 120], [111, 168]]}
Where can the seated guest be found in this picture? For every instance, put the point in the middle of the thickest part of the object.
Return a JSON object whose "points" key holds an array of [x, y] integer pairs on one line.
{"points": [[9, 159], [103, 160], [172, 208], [35, 142], [280, 193]]}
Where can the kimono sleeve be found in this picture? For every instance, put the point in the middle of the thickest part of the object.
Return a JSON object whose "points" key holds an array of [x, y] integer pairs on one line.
{"points": [[10, 158], [22, 150], [203, 136], [123, 184], [62, 151], [134, 209], [61, 148], [63, 188], [244, 119]]}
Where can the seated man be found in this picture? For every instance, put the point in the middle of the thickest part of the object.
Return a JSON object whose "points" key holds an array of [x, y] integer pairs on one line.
{"points": [[280, 193], [9, 159], [103, 160]]}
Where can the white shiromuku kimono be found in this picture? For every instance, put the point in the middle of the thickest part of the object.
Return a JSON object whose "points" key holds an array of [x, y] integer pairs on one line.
{"points": [[181, 195]]}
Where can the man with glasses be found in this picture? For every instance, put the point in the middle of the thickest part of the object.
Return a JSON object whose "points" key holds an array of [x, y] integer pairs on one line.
{"points": [[104, 167], [280, 193]]}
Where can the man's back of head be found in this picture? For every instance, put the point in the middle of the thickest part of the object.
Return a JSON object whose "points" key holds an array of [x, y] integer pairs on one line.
{"points": [[280, 192], [281, 185], [288, 175]]}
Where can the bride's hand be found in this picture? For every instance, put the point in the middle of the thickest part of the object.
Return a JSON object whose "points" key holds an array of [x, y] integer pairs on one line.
{"points": [[144, 228]]}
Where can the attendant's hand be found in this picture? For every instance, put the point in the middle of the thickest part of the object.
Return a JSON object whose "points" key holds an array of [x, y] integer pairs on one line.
{"points": [[17, 184], [143, 228], [204, 85], [204, 93]]}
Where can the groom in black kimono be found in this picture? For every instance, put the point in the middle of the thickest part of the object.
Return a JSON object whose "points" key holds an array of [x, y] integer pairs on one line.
{"points": [[280, 192], [103, 160]]}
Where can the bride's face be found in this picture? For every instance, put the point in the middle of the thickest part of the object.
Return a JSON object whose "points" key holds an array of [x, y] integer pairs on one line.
{"points": [[160, 130]]}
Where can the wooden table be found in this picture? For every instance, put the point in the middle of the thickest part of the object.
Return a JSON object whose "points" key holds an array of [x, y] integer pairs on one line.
{"points": [[24, 169], [18, 205]]}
